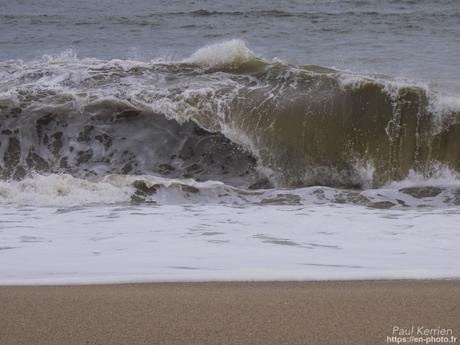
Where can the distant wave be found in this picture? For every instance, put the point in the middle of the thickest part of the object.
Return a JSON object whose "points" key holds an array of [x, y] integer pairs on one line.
{"points": [[223, 114], [310, 14]]}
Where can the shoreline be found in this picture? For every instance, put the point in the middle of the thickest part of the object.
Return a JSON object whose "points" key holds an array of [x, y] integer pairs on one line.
{"points": [[110, 282], [311, 312]]}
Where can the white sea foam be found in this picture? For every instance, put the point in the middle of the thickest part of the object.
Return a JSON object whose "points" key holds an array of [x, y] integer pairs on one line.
{"points": [[66, 191], [62, 190], [441, 176], [109, 244], [444, 104]]}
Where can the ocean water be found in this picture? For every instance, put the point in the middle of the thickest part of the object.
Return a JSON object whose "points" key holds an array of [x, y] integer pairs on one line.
{"points": [[164, 140]]}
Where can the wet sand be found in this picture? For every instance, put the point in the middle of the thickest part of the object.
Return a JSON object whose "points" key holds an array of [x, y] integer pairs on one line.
{"points": [[278, 313]]}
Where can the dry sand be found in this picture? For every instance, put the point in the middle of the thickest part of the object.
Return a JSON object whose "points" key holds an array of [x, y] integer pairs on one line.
{"points": [[265, 313]]}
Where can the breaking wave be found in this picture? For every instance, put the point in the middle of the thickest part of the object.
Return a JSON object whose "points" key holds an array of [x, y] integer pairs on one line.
{"points": [[223, 114]]}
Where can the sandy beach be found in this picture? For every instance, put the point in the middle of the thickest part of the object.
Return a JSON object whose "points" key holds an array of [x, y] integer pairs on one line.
{"points": [[359, 312]]}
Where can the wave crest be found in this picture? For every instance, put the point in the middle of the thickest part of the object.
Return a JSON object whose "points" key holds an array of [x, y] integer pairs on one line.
{"points": [[228, 55]]}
